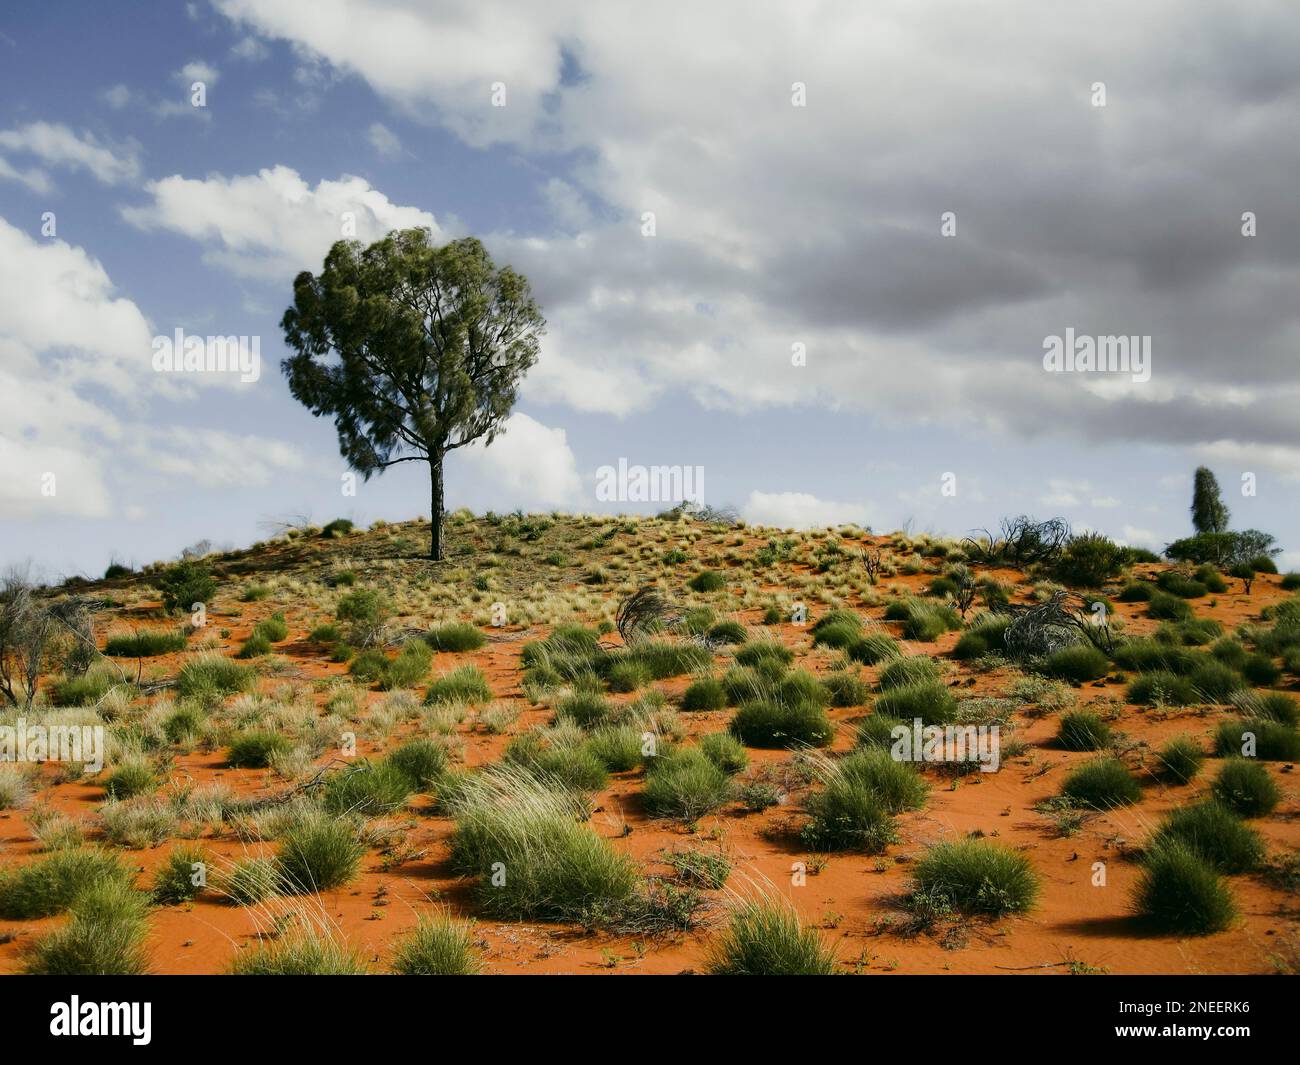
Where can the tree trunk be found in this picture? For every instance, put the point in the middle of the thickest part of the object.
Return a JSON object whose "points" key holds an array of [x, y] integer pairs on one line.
{"points": [[435, 508]]}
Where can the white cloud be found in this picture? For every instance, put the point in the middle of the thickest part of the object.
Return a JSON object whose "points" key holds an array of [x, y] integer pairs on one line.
{"points": [[270, 225], [57, 145], [36, 179], [799, 510], [384, 140], [1106, 502], [198, 70], [1134, 536], [117, 96], [212, 457], [250, 49], [1240, 457], [530, 463]]}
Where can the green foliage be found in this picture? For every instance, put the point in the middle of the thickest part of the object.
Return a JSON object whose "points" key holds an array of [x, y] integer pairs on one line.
{"points": [[1178, 891], [765, 938], [707, 581], [185, 584], [1078, 663], [768, 723], [1180, 760], [1083, 730], [437, 946], [48, 886], [1216, 834], [301, 954], [1089, 561], [1209, 512], [684, 784], [725, 751], [145, 644], [255, 748], [903, 671], [706, 693], [173, 881], [977, 876], [464, 685], [874, 648], [213, 675], [456, 636], [1245, 787], [1271, 740], [318, 854], [1164, 606], [105, 936], [366, 610], [930, 701], [1102, 783]]}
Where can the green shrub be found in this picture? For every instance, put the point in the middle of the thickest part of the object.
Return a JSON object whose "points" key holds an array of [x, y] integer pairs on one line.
{"points": [[302, 954], [336, 528], [725, 751], [145, 644], [584, 709], [1136, 592], [1089, 561], [409, 667], [185, 584], [437, 946], [1180, 760], [933, 703], [255, 646], [1152, 656], [1272, 706], [1168, 607], [274, 628], [987, 634], [618, 748], [250, 881], [768, 723], [213, 675], [1181, 585], [923, 621], [707, 581], [174, 880], [1083, 730], [464, 685], [318, 854], [846, 688], [366, 611], [800, 686], [1078, 663], [758, 652], [976, 876], [48, 886], [255, 748], [367, 788], [662, 658], [85, 690], [1290, 582], [1161, 689], [874, 648], [105, 936], [684, 784], [1214, 682], [765, 938], [896, 784], [1272, 741], [704, 694], [904, 671], [877, 730], [326, 634], [422, 761], [134, 777], [1216, 834], [846, 814], [1180, 892], [116, 569], [457, 636], [1261, 671], [1102, 783], [728, 631], [1246, 788]]}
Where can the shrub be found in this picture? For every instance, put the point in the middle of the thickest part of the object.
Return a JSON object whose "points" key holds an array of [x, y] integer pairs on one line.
{"points": [[1216, 834], [302, 954], [874, 648], [923, 621], [707, 581], [877, 730], [174, 880], [1089, 561], [115, 570], [1246, 788], [1161, 689], [318, 854], [133, 777], [1179, 892], [49, 886], [1136, 592], [724, 751], [326, 634], [1261, 671], [1290, 582], [367, 611], [837, 628], [976, 876], [338, 527], [185, 584], [464, 685], [662, 658], [584, 709], [274, 628], [1078, 663], [987, 634], [768, 723], [457, 636], [896, 784], [213, 675], [758, 652], [145, 644], [366, 788], [1168, 607], [904, 671], [1181, 585], [1180, 760], [684, 784], [409, 667], [1148, 656], [1214, 681], [1102, 783], [105, 936], [699, 868], [558, 868], [15, 787], [422, 761], [628, 676], [728, 631], [765, 938], [933, 703], [255, 646], [437, 946], [81, 691], [251, 880], [800, 686], [1273, 706], [704, 694], [845, 688], [1271, 740], [617, 748], [846, 814], [1082, 730], [255, 748]]}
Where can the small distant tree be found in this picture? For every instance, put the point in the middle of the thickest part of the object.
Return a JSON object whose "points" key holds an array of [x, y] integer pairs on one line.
{"points": [[414, 349], [1209, 512]]}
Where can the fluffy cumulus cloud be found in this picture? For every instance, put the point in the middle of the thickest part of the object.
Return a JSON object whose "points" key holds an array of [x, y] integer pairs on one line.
{"points": [[59, 146], [799, 510], [529, 464], [272, 224], [819, 225], [76, 380]]}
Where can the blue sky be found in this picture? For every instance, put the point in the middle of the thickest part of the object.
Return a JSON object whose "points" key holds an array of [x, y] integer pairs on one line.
{"points": [[776, 224]]}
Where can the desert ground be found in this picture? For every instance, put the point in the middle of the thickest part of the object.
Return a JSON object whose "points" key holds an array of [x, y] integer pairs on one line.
{"points": [[325, 701]]}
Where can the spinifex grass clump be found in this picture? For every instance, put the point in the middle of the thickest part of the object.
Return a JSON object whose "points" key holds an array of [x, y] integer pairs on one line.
{"points": [[211, 676], [464, 685], [133, 776], [874, 648], [923, 621], [728, 631], [1083, 730], [1245, 787], [255, 748], [930, 701], [304, 953], [568, 653], [684, 784], [764, 938], [318, 854], [1102, 784], [182, 876], [616, 747], [1079, 663], [559, 759], [1180, 760], [977, 876], [986, 635], [1161, 689], [877, 730], [145, 644], [422, 761], [707, 581], [1168, 607], [846, 688], [661, 658], [706, 693], [838, 628], [584, 709], [1258, 738], [104, 937], [761, 653], [409, 667], [769, 723], [1216, 834], [1179, 891], [725, 751], [366, 788], [556, 867], [438, 946], [49, 885], [457, 636], [847, 814], [903, 671], [898, 785], [249, 881], [1152, 656]]}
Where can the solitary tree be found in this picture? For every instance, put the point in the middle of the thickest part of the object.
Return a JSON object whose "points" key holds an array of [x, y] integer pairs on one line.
{"points": [[414, 349], [1209, 512]]}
